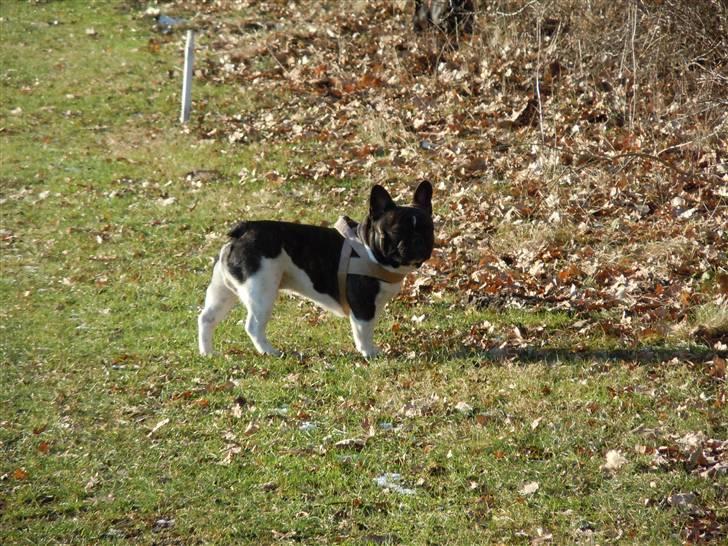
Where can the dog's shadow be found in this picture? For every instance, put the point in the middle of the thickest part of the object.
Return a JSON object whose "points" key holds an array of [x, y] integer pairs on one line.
{"points": [[646, 355]]}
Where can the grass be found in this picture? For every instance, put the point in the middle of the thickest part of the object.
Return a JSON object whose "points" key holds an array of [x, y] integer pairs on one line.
{"points": [[113, 428]]}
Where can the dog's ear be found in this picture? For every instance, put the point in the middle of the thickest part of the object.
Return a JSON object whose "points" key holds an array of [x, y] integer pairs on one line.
{"points": [[423, 196], [379, 201]]}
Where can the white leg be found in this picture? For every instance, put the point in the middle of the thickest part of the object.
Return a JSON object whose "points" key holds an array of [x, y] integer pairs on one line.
{"points": [[258, 294], [363, 331], [255, 325], [219, 300]]}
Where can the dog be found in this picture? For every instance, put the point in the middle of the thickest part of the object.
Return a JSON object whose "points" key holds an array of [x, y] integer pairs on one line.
{"points": [[353, 270]]}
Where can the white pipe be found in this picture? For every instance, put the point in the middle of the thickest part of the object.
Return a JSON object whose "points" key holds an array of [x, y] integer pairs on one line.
{"points": [[187, 77]]}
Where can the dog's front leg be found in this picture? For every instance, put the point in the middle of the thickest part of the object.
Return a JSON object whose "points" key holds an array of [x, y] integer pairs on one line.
{"points": [[363, 331]]}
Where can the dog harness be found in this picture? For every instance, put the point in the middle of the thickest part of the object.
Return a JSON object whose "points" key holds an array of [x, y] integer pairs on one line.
{"points": [[358, 265]]}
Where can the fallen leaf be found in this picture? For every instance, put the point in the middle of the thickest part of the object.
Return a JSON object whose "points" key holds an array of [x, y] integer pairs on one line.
{"points": [[162, 524], [686, 503], [542, 538], [692, 440], [718, 368], [91, 483], [230, 451], [157, 427], [166, 202], [392, 482], [615, 460], [529, 489], [307, 426], [351, 443], [19, 474]]}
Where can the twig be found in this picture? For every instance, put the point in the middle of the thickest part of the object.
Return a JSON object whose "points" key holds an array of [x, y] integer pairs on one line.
{"points": [[674, 147], [504, 14], [689, 142], [270, 51], [638, 155], [643, 155]]}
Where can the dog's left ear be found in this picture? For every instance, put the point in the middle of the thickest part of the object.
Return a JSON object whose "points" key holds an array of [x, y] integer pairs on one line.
{"points": [[423, 196]]}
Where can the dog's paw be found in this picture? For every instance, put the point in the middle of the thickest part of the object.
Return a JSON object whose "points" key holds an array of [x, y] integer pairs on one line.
{"points": [[370, 352], [272, 352]]}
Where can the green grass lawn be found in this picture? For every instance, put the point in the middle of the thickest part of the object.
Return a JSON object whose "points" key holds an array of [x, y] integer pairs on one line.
{"points": [[113, 428]]}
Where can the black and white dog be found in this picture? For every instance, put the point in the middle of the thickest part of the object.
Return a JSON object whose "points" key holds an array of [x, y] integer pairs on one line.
{"points": [[353, 270]]}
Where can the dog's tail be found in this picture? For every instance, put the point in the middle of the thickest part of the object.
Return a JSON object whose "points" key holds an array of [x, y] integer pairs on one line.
{"points": [[223, 255], [238, 230]]}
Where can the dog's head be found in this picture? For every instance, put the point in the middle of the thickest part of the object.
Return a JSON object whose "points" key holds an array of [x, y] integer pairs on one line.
{"points": [[399, 235]]}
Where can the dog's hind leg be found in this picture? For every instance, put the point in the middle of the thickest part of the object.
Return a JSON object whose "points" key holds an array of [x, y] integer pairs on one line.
{"points": [[258, 293], [219, 300]]}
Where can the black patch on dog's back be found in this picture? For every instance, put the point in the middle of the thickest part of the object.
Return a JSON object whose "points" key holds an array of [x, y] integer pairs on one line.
{"points": [[316, 250], [251, 242]]}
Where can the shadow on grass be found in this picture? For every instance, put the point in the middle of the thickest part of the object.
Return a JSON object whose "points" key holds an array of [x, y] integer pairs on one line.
{"points": [[642, 355]]}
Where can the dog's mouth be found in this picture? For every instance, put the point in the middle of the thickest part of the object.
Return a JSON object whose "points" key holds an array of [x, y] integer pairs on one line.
{"points": [[403, 254], [413, 262], [406, 257], [397, 260]]}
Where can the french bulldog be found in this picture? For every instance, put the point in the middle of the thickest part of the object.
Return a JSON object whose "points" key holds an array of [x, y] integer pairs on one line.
{"points": [[263, 257]]}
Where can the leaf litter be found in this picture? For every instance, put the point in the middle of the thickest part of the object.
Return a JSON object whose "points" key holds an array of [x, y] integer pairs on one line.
{"points": [[588, 199]]}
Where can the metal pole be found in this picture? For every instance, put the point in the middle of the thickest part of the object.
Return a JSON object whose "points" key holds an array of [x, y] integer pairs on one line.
{"points": [[187, 77]]}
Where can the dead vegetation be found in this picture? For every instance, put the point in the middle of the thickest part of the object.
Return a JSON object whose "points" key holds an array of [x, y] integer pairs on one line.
{"points": [[578, 149]]}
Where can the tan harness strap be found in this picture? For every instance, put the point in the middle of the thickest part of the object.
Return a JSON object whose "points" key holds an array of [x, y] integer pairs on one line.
{"points": [[341, 274], [360, 265]]}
